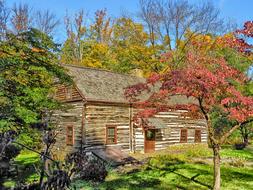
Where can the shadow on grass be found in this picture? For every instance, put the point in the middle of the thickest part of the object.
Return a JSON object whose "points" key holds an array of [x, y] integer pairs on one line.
{"points": [[161, 174], [180, 169], [132, 182], [169, 177]]}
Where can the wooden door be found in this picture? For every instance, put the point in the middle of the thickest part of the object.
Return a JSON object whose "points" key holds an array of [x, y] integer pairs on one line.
{"points": [[149, 141]]}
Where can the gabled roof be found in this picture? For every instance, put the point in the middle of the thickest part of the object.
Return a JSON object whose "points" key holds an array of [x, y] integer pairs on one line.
{"points": [[106, 86], [101, 85]]}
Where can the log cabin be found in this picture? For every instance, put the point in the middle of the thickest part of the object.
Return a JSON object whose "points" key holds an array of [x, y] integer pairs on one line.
{"points": [[99, 116]]}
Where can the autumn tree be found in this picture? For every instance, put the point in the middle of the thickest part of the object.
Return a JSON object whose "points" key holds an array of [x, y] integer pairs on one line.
{"points": [[101, 29], [72, 51], [97, 43], [86, 45], [120, 45], [214, 83], [131, 48], [21, 18]]}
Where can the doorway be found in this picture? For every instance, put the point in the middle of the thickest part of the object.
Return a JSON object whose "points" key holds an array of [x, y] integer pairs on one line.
{"points": [[149, 141]]}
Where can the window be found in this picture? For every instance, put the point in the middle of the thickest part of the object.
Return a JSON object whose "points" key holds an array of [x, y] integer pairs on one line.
{"points": [[60, 93], [183, 136], [111, 134], [150, 135], [197, 136], [69, 92], [70, 135]]}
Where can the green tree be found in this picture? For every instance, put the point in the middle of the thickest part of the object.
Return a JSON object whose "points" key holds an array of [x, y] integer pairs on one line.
{"points": [[28, 72], [131, 47]]}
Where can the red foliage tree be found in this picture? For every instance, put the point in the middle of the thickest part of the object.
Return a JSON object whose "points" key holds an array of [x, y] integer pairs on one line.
{"points": [[213, 83]]}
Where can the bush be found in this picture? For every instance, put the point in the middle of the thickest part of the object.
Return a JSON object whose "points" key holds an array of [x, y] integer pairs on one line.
{"points": [[31, 138], [58, 180], [237, 162], [239, 146], [88, 168]]}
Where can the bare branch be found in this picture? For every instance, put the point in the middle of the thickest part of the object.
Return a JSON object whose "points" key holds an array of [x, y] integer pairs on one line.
{"points": [[4, 16], [150, 15], [21, 17], [46, 21], [171, 19]]}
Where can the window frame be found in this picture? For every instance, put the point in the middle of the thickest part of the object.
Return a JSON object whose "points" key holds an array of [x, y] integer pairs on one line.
{"points": [[70, 135], [115, 134], [195, 139], [181, 140], [69, 90]]}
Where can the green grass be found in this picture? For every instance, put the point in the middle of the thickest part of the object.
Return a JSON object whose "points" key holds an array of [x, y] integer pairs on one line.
{"points": [[175, 169], [180, 178], [229, 152], [26, 158], [9, 183]]}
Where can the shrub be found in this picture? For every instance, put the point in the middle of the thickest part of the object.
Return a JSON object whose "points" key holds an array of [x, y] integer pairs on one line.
{"points": [[239, 146], [234, 138], [87, 167], [58, 180], [31, 138], [237, 162]]}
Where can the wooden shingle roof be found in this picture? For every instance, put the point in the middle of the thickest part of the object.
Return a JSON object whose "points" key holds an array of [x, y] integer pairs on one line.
{"points": [[101, 85], [107, 86]]}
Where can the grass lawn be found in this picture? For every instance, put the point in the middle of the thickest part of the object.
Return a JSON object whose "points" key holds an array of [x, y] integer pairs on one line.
{"points": [[25, 161], [228, 152], [185, 167]]}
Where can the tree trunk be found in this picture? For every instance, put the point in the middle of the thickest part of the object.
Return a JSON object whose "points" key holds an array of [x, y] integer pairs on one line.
{"points": [[245, 135], [216, 163], [246, 140]]}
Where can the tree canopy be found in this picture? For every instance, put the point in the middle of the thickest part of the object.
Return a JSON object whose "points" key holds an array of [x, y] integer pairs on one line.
{"points": [[29, 69]]}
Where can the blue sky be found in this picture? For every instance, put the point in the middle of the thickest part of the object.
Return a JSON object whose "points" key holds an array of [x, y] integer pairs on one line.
{"points": [[237, 10]]}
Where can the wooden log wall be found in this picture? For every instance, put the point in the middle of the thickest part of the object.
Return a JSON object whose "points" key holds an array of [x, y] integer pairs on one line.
{"points": [[98, 116], [96, 119], [72, 116], [171, 135], [175, 123], [138, 139]]}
